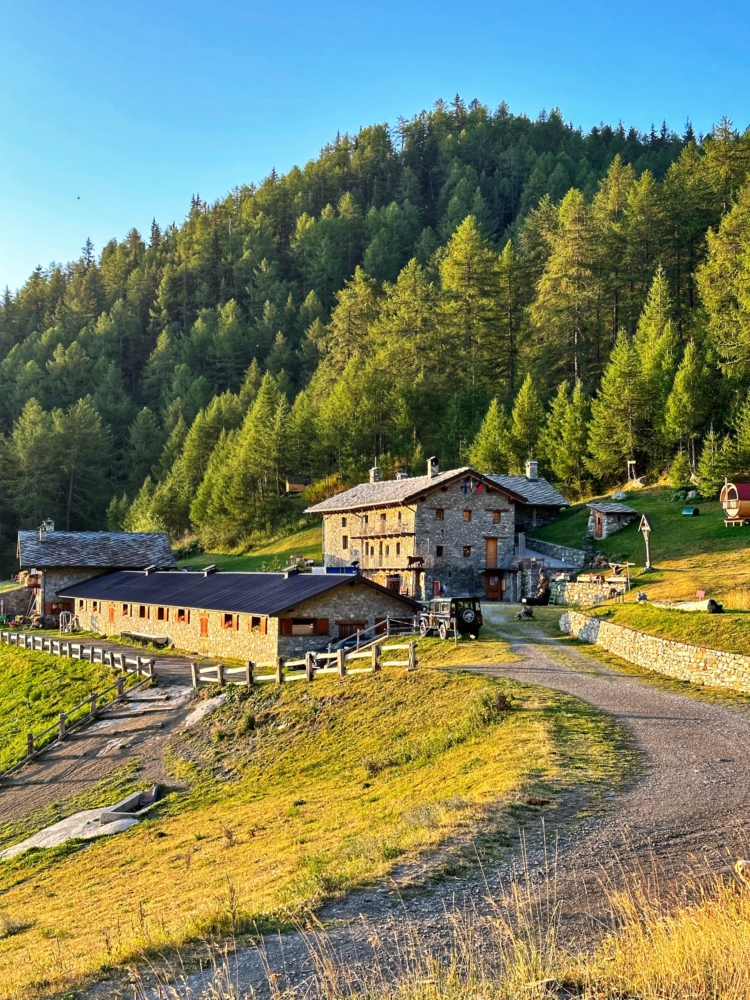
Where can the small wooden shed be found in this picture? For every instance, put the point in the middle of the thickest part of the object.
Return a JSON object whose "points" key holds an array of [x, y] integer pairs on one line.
{"points": [[607, 518], [735, 499]]}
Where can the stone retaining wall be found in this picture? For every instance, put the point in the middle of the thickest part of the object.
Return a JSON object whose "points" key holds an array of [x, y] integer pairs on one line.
{"points": [[587, 593], [711, 667], [567, 555]]}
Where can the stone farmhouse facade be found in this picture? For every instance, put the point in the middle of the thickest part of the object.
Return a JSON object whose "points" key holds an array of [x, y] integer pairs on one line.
{"points": [[51, 561], [239, 616], [443, 533]]}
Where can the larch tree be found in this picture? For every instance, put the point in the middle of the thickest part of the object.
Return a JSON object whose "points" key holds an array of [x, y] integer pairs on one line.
{"points": [[527, 421], [490, 450]]}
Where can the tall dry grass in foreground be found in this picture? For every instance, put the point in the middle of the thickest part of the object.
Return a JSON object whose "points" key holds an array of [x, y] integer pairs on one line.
{"points": [[662, 949]]}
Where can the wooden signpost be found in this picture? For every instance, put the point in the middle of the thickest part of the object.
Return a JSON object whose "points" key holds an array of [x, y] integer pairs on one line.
{"points": [[646, 527]]}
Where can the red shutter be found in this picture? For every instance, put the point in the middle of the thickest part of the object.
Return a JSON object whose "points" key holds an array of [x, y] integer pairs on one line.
{"points": [[321, 626], [285, 626]]}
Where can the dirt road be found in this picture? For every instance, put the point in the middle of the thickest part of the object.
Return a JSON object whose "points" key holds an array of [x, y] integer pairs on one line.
{"points": [[688, 811]]}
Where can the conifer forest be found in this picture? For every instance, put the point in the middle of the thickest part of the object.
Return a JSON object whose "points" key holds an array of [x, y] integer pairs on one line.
{"points": [[469, 283]]}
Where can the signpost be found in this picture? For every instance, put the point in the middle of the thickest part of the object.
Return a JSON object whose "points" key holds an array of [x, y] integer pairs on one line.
{"points": [[646, 527]]}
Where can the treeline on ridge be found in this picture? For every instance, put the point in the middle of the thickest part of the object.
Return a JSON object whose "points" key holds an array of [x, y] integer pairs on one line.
{"points": [[471, 284]]}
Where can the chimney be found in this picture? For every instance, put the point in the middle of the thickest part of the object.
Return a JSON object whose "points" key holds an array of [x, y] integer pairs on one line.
{"points": [[402, 475], [433, 467], [374, 474], [532, 468]]}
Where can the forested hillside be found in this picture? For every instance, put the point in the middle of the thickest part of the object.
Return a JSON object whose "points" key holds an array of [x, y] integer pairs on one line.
{"points": [[470, 284]]}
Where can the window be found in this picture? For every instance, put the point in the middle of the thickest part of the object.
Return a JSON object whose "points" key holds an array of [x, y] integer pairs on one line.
{"points": [[95, 606], [343, 522], [399, 515], [126, 610], [398, 548], [467, 515], [303, 626], [439, 514], [387, 550], [496, 517], [162, 614], [438, 550], [229, 621], [467, 551], [183, 616], [366, 518], [81, 605], [372, 550], [383, 517], [142, 611], [344, 541], [255, 623]]}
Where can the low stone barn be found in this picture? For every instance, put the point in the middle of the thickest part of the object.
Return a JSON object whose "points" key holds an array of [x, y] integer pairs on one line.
{"points": [[53, 560], [540, 502], [242, 616], [607, 518]]}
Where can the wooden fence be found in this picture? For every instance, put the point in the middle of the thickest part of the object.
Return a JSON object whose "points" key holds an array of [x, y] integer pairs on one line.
{"points": [[307, 668], [128, 663]]}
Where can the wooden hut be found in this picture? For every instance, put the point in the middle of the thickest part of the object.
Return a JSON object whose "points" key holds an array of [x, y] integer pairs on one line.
{"points": [[735, 499]]}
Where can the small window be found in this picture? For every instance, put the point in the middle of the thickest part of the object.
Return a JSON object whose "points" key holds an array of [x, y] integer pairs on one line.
{"points": [[399, 515], [467, 551], [496, 517], [162, 614], [372, 550], [343, 522], [344, 541], [183, 616], [383, 517], [398, 548], [126, 610], [228, 621], [366, 518], [438, 550], [142, 611], [467, 515], [255, 623], [303, 626], [387, 550], [81, 605], [439, 514], [95, 606]]}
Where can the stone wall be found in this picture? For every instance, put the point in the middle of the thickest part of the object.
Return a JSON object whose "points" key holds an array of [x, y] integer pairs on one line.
{"points": [[586, 593], [15, 602], [711, 667], [567, 555], [59, 578]]}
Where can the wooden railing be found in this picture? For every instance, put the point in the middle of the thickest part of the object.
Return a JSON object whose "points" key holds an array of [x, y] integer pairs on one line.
{"points": [[126, 662], [307, 668]]}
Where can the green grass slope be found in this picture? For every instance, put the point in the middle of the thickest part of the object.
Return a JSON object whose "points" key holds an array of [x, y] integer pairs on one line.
{"points": [[273, 556]]}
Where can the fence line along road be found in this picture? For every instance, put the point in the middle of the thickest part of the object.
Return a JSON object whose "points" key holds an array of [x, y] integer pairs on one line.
{"points": [[312, 665], [80, 651]]}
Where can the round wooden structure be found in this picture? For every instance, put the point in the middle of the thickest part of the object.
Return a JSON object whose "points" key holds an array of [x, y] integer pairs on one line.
{"points": [[735, 499]]}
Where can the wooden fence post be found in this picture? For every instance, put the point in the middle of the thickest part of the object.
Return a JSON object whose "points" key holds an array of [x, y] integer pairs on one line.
{"points": [[341, 658], [220, 674], [61, 725], [279, 669], [30, 745], [249, 667], [309, 666], [92, 703], [412, 656], [150, 667], [194, 672], [375, 658], [119, 685]]}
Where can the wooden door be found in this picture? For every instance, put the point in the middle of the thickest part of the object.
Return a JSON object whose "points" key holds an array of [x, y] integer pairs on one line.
{"points": [[204, 627], [111, 614], [490, 547], [493, 590], [598, 524]]}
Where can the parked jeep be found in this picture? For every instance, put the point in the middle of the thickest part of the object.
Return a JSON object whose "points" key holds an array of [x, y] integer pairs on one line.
{"points": [[444, 614]]}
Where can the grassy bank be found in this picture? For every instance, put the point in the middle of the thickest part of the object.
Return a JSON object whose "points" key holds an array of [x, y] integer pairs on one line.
{"points": [[296, 794], [35, 688], [272, 556], [730, 632]]}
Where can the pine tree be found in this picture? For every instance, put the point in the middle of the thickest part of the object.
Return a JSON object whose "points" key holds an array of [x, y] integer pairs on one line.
{"points": [[656, 344], [680, 470], [616, 431], [527, 422], [686, 404], [490, 449], [714, 464], [572, 463]]}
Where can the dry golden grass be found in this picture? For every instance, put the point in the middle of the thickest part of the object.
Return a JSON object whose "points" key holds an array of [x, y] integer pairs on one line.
{"points": [[297, 794]]}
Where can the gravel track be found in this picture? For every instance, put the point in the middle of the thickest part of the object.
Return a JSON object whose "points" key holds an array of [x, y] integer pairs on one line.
{"points": [[685, 816]]}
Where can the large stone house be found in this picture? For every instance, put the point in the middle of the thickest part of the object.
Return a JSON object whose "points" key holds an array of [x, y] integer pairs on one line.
{"points": [[52, 560], [443, 533], [241, 616]]}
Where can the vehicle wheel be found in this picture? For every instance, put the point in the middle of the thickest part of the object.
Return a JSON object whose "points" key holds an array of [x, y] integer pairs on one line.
{"points": [[423, 628], [442, 630]]}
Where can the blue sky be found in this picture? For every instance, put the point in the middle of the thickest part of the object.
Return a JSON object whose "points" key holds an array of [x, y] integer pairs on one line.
{"points": [[111, 114]]}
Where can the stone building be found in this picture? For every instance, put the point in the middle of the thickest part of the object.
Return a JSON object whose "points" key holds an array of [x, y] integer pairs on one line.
{"points": [[607, 518], [240, 616], [443, 533], [52, 560]]}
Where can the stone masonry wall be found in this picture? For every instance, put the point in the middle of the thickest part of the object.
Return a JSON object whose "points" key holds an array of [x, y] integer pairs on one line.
{"points": [[570, 556], [711, 667], [587, 593], [15, 602]]}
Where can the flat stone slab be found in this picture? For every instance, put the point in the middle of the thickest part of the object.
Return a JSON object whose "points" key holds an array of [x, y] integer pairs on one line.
{"points": [[205, 708], [80, 826]]}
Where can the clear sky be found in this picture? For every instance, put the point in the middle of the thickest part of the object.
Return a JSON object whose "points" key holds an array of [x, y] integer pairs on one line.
{"points": [[114, 113]]}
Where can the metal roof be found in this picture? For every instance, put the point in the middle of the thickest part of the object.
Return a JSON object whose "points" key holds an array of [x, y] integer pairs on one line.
{"points": [[612, 508], [112, 549], [249, 593], [390, 491], [537, 492]]}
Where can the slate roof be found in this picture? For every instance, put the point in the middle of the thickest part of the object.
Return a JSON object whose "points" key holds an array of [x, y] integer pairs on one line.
{"points": [[390, 491], [110, 549], [611, 508], [536, 492], [248, 593]]}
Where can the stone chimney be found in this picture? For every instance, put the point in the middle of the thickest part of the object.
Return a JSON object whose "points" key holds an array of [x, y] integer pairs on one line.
{"points": [[532, 468], [433, 467], [402, 475], [45, 527], [374, 474]]}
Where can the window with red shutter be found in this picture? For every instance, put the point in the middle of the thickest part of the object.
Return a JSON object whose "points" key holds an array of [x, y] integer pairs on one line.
{"points": [[285, 626], [322, 627]]}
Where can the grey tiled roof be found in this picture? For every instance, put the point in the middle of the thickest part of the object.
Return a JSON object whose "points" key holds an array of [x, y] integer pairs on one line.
{"points": [[112, 549], [538, 492], [249, 593], [396, 491], [611, 508]]}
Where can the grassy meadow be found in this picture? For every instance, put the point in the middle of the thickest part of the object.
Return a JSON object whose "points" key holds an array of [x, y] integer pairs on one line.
{"points": [[292, 795], [270, 556], [35, 688]]}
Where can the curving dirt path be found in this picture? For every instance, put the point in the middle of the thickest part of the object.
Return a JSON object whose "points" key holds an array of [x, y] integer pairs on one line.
{"points": [[686, 815]]}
